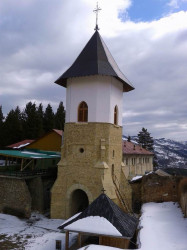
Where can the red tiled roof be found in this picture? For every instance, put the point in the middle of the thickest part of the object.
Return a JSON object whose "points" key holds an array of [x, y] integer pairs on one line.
{"points": [[131, 148], [20, 144], [58, 131]]}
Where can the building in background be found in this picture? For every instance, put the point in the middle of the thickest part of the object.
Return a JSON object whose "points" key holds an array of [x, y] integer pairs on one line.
{"points": [[51, 141], [137, 160], [20, 145], [27, 173]]}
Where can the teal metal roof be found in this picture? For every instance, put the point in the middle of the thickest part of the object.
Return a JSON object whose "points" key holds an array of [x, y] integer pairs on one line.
{"points": [[30, 154]]}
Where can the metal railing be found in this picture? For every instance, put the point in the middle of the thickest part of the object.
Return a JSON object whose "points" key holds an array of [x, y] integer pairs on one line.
{"points": [[121, 195], [38, 172]]}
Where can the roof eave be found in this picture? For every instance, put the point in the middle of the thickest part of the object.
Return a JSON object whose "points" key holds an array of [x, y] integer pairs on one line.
{"points": [[79, 231], [63, 82]]}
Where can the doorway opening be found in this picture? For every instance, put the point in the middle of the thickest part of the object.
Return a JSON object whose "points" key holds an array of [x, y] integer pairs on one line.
{"points": [[79, 201]]}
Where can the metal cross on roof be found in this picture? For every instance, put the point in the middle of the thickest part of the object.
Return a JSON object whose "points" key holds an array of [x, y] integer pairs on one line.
{"points": [[103, 190], [97, 11]]}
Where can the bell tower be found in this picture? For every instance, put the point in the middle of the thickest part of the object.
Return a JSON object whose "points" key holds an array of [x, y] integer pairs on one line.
{"points": [[92, 145]]}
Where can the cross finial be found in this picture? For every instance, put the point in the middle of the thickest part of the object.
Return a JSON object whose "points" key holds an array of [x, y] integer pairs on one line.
{"points": [[97, 11], [103, 190]]}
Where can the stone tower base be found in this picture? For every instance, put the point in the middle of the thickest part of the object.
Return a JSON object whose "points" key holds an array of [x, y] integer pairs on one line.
{"points": [[91, 156]]}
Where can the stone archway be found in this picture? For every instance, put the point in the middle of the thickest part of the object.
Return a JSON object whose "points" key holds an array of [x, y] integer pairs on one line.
{"points": [[79, 201]]}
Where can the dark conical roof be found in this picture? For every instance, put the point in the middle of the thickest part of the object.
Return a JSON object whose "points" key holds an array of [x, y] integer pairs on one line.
{"points": [[95, 59], [103, 206]]}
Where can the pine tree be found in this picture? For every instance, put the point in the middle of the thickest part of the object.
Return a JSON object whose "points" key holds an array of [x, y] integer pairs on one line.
{"points": [[30, 121], [1, 116], [40, 120], [60, 117], [145, 139], [48, 119], [1, 127], [13, 130], [129, 138], [147, 142]]}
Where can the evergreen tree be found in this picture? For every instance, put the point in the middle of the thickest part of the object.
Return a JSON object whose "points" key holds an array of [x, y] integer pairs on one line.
{"points": [[1, 116], [145, 139], [13, 131], [48, 119], [1, 127], [60, 117], [129, 138], [30, 121], [40, 118], [147, 142]]}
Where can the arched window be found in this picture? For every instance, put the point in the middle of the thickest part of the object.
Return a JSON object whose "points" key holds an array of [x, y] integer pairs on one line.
{"points": [[116, 115], [83, 112]]}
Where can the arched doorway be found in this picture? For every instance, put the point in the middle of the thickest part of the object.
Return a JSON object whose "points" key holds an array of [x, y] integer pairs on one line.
{"points": [[79, 201]]}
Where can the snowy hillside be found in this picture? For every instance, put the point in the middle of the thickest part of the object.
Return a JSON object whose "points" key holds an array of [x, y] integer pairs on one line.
{"points": [[170, 153]]}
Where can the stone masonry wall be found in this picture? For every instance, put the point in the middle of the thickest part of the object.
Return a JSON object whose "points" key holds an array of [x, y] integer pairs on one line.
{"points": [[157, 188], [35, 187], [14, 197], [182, 192], [90, 153], [154, 188]]}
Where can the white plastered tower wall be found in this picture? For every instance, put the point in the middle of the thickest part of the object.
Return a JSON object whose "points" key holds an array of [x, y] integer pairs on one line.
{"points": [[101, 93], [100, 138]]}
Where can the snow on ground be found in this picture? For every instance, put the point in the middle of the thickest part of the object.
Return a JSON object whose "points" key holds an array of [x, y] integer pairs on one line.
{"points": [[36, 233], [162, 226]]}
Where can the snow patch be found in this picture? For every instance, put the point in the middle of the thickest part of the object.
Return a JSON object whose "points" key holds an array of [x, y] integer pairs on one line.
{"points": [[94, 224], [136, 177], [96, 247], [162, 226]]}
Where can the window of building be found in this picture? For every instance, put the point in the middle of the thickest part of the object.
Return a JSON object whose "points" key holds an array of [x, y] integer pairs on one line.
{"points": [[140, 160], [83, 112], [133, 161], [127, 162], [116, 115], [112, 169], [113, 153], [146, 160]]}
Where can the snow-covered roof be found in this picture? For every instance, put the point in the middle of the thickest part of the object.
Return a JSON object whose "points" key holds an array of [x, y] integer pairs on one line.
{"points": [[20, 144], [138, 177], [95, 225], [97, 247], [104, 217]]}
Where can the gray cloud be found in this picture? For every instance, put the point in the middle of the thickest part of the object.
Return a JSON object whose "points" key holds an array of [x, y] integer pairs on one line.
{"points": [[40, 39]]}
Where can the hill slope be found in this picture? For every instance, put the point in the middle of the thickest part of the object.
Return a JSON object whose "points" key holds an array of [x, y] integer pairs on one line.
{"points": [[170, 153]]}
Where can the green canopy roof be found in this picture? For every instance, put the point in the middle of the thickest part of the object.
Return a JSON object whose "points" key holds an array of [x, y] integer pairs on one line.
{"points": [[30, 154]]}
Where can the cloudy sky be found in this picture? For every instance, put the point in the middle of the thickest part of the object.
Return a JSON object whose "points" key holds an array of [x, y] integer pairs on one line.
{"points": [[40, 39]]}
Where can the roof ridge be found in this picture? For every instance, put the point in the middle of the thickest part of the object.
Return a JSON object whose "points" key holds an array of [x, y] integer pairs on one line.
{"points": [[98, 36]]}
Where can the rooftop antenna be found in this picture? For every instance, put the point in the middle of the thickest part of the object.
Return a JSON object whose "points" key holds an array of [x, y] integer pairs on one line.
{"points": [[97, 11]]}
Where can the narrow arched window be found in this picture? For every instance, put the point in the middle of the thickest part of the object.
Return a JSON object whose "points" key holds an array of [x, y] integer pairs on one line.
{"points": [[83, 112], [116, 115]]}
